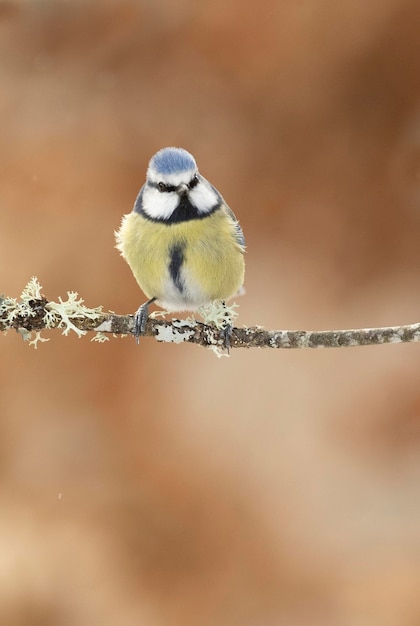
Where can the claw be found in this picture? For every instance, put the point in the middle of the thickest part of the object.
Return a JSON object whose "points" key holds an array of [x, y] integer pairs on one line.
{"points": [[227, 334], [140, 319]]}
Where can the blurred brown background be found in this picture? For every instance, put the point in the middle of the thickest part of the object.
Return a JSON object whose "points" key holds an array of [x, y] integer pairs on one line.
{"points": [[158, 485]]}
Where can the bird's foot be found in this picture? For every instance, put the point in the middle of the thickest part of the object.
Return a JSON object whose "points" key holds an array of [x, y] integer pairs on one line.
{"points": [[227, 334], [140, 319], [222, 316]]}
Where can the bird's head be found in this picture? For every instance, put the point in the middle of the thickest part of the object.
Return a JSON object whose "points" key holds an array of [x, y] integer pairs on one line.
{"points": [[173, 180]]}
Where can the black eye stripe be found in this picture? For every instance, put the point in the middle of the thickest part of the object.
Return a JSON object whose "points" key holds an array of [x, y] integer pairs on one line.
{"points": [[193, 182], [164, 188]]}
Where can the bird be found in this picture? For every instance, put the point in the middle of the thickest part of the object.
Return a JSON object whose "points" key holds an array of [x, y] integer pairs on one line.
{"points": [[182, 242]]}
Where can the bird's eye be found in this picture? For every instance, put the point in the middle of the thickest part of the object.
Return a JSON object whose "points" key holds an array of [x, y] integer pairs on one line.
{"points": [[161, 186], [193, 182]]}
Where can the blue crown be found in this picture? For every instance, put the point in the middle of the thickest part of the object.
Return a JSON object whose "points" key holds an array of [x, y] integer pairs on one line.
{"points": [[172, 161]]}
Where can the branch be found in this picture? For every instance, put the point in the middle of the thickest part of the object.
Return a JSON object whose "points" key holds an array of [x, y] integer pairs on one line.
{"points": [[33, 312]]}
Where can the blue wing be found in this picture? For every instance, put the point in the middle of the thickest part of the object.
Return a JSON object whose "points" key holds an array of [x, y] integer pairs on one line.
{"points": [[239, 235]]}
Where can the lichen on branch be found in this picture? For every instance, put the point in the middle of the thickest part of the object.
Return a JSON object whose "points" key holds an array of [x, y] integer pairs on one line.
{"points": [[33, 312]]}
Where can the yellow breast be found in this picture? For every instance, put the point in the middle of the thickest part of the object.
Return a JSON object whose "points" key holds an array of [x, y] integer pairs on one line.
{"points": [[183, 265]]}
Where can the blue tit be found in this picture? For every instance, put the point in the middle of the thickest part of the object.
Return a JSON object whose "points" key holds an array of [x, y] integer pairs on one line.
{"points": [[182, 242]]}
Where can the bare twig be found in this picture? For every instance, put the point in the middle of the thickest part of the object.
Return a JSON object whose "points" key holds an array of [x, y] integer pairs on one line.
{"points": [[37, 313]]}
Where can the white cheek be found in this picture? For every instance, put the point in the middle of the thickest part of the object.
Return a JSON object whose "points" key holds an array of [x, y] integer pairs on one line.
{"points": [[203, 197], [159, 205]]}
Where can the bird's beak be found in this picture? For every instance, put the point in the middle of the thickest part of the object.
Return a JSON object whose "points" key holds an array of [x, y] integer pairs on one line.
{"points": [[182, 189]]}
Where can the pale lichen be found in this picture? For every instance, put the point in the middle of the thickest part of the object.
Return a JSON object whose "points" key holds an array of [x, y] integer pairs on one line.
{"points": [[31, 291], [56, 314], [100, 337], [34, 342], [219, 351], [157, 314], [8, 309], [219, 314], [11, 308], [179, 332], [61, 313]]}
